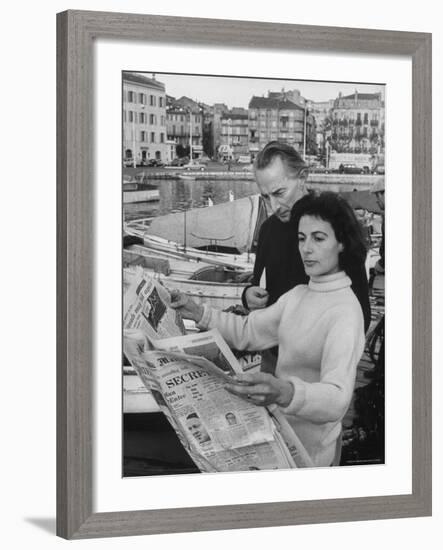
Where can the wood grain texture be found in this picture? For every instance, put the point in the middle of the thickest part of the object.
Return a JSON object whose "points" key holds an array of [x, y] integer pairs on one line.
{"points": [[76, 32], [422, 271]]}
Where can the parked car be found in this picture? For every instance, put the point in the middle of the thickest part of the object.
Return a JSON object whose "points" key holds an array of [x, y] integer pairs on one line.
{"points": [[195, 166], [154, 163], [352, 169], [128, 162], [379, 169], [319, 169], [203, 160], [179, 161]]}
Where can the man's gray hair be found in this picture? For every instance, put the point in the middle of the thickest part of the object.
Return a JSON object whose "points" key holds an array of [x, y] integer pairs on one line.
{"points": [[288, 155]]}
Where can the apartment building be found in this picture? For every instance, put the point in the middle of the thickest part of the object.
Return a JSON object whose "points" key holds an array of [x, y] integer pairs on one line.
{"points": [[144, 119]]}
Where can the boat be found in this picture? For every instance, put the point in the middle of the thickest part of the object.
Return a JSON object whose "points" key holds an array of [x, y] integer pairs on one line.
{"points": [[147, 195], [230, 227], [134, 191], [202, 285], [218, 268]]}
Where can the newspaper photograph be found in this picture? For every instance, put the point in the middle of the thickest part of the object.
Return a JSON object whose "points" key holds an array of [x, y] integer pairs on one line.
{"points": [[146, 308]]}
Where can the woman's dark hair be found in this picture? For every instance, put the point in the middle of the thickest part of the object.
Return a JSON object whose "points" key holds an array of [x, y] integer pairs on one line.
{"points": [[334, 209]]}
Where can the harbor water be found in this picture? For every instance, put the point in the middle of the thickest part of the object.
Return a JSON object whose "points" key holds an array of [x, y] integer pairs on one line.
{"points": [[177, 195]]}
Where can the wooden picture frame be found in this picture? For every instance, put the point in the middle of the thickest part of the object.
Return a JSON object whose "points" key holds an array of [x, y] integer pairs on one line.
{"points": [[76, 32]]}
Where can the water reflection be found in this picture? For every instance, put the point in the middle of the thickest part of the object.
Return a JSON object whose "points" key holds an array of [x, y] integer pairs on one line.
{"points": [[180, 195]]}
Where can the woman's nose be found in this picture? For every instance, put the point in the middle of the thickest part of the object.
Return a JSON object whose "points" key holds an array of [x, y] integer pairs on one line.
{"points": [[306, 246]]}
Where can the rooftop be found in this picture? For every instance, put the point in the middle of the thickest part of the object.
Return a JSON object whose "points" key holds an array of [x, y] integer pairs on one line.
{"points": [[136, 78], [271, 103], [361, 96]]}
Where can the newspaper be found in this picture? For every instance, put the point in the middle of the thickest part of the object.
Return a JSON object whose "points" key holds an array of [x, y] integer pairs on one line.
{"points": [[220, 431], [187, 376], [146, 308]]}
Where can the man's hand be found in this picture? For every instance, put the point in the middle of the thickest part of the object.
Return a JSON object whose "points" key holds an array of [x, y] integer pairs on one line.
{"points": [[262, 388], [186, 306], [256, 297]]}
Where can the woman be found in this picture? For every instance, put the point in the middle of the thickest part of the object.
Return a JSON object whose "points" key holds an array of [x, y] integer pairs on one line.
{"points": [[318, 327]]}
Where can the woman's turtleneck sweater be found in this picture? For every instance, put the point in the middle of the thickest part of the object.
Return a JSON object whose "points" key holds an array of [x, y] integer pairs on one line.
{"points": [[320, 333]]}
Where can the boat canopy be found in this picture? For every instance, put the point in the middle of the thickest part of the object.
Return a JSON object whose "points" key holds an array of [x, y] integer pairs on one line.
{"points": [[362, 199], [230, 225]]}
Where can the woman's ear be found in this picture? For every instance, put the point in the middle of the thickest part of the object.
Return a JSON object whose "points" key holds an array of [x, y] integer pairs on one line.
{"points": [[340, 247]]}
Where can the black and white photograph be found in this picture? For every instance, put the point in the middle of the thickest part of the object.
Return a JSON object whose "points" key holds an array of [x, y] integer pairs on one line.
{"points": [[257, 207]]}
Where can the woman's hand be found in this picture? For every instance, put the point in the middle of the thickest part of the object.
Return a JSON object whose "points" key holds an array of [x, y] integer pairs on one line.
{"points": [[256, 297], [186, 306], [262, 388]]}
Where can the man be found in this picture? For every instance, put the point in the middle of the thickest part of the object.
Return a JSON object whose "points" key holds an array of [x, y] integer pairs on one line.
{"points": [[231, 419], [281, 175], [196, 428]]}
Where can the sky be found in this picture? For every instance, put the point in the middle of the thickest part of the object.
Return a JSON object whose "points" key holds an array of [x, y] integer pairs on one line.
{"points": [[236, 92]]}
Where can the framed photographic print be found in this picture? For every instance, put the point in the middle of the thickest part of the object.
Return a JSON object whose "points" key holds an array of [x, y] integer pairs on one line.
{"points": [[160, 120]]}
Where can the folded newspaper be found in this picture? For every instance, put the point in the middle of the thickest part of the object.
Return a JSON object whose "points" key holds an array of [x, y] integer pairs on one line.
{"points": [[187, 376]]}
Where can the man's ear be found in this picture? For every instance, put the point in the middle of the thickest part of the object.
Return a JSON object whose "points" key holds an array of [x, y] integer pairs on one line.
{"points": [[341, 247], [303, 174]]}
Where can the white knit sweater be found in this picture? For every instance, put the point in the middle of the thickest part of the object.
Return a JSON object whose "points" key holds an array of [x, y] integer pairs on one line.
{"points": [[320, 333]]}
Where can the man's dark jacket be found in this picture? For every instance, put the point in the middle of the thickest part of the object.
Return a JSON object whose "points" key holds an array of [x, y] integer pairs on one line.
{"points": [[277, 251]]}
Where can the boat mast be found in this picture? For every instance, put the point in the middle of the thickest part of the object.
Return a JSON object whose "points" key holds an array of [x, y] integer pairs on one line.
{"points": [[190, 136], [184, 237]]}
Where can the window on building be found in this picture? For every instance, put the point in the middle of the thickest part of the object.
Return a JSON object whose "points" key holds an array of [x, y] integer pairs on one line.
{"points": [[142, 98], [284, 122], [143, 136], [151, 119], [365, 118], [152, 137], [131, 97], [152, 101], [142, 117], [162, 137], [161, 101], [131, 116], [162, 120]]}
